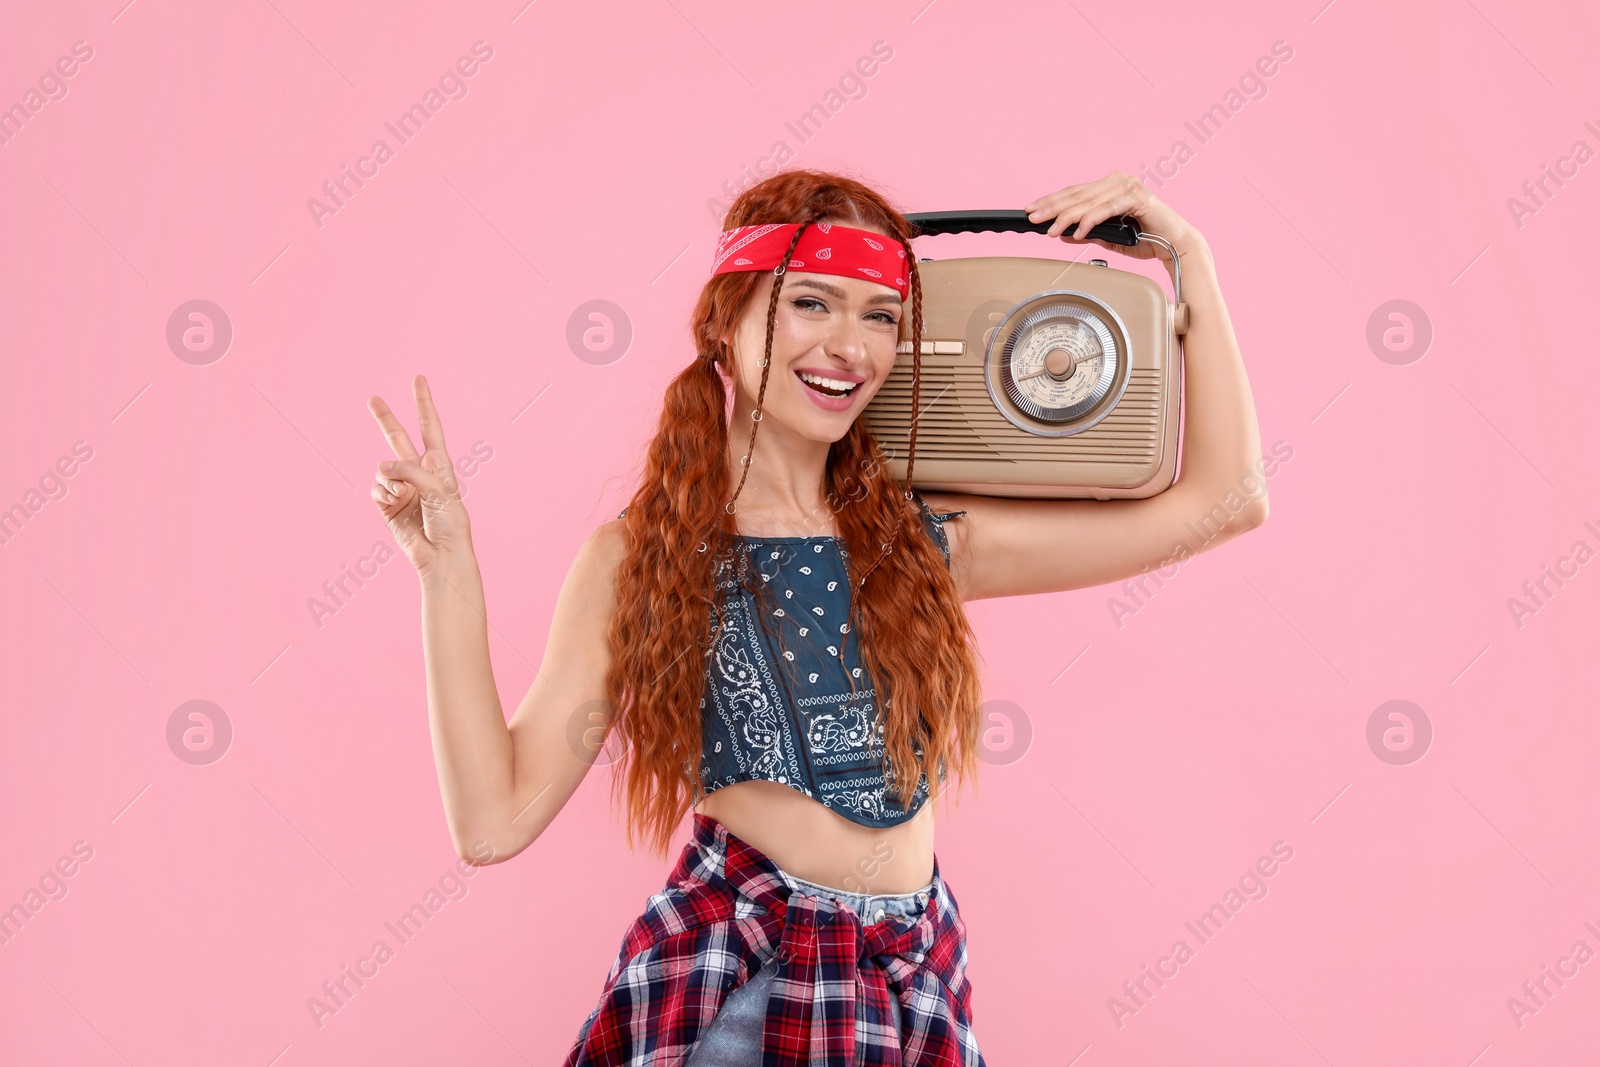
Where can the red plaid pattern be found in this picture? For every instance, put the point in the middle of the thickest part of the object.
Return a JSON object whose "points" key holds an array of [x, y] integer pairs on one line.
{"points": [[725, 911]]}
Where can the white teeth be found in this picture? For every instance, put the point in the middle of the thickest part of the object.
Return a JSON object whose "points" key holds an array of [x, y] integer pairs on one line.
{"points": [[832, 383]]}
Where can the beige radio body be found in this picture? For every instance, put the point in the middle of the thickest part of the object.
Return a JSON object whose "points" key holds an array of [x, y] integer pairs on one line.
{"points": [[1111, 430]]}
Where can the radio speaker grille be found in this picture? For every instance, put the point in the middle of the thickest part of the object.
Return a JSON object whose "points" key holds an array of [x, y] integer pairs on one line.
{"points": [[960, 422]]}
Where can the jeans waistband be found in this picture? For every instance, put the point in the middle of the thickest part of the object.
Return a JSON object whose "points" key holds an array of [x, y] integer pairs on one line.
{"points": [[866, 905]]}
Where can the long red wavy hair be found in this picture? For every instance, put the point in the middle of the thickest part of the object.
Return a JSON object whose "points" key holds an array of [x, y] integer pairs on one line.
{"points": [[915, 639]]}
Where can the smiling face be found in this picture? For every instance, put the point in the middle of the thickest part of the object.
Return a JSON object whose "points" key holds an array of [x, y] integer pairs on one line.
{"points": [[833, 345]]}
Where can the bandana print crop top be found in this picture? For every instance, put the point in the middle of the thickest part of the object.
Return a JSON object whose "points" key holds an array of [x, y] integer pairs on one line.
{"points": [[788, 701]]}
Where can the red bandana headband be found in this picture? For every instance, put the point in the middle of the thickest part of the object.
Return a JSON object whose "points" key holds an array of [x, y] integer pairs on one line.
{"points": [[823, 249]]}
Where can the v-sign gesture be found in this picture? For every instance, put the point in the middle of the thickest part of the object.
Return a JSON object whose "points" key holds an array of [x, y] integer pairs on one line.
{"points": [[419, 495]]}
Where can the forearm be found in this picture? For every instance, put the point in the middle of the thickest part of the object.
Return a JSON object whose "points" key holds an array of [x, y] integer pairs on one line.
{"points": [[471, 743], [1221, 439]]}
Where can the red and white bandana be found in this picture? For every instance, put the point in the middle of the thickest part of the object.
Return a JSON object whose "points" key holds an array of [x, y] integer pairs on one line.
{"points": [[823, 249]]}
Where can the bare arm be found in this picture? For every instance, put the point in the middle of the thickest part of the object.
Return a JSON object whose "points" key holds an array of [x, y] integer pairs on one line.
{"points": [[1011, 547], [501, 784]]}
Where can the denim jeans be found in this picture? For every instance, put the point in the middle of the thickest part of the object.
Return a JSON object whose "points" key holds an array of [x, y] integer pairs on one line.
{"points": [[734, 1037]]}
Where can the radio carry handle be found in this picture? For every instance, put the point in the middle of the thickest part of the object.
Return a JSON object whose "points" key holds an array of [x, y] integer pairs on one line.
{"points": [[1118, 230]]}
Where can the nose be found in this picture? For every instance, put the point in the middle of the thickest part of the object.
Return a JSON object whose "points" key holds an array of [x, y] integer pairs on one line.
{"points": [[846, 344]]}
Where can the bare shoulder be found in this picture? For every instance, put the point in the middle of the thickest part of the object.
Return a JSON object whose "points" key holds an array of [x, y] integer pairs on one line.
{"points": [[601, 553], [610, 539]]}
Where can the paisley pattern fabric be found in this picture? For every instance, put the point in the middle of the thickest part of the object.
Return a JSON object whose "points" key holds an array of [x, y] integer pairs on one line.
{"points": [[788, 698], [824, 248]]}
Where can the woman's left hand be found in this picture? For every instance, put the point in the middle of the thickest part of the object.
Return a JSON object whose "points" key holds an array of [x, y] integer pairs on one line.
{"points": [[1077, 209]]}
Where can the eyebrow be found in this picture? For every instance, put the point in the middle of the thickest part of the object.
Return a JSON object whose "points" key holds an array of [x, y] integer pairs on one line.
{"points": [[834, 290]]}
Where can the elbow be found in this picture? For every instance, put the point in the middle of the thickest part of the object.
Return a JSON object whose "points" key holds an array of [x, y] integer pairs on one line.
{"points": [[1255, 515], [481, 851], [489, 834], [477, 852]]}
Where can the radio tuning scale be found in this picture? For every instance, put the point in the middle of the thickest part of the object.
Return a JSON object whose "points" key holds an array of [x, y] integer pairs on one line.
{"points": [[1059, 363]]}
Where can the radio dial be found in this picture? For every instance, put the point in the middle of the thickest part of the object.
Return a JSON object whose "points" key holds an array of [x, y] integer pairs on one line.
{"points": [[1057, 361]]}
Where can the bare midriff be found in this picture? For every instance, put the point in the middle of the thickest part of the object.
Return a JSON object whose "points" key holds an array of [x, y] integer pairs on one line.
{"points": [[815, 844]]}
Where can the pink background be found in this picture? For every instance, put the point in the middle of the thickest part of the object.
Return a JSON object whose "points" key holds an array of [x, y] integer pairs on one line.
{"points": [[1229, 713]]}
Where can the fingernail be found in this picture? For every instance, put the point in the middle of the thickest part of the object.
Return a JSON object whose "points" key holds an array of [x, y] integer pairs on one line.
{"points": [[387, 465]]}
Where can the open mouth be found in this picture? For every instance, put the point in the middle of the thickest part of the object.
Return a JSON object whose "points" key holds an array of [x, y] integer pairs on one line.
{"points": [[829, 387]]}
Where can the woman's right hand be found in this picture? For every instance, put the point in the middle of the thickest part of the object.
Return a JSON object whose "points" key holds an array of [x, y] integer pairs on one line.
{"points": [[419, 495]]}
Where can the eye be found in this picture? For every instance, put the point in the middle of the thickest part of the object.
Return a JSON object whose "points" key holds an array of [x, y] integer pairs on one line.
{"points": [[806, 303]]}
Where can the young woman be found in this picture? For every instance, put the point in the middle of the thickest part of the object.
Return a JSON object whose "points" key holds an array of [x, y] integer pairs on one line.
{"points": [[775, 640]]}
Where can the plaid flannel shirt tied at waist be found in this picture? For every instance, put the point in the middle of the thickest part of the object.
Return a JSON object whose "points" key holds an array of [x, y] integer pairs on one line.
{"points": [[726, 913]]}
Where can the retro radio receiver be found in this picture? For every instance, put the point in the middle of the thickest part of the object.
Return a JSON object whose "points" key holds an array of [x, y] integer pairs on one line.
{"points": [[1040, 377]]}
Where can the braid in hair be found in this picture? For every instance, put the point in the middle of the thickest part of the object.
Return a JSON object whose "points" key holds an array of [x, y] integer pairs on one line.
{"points": [[766, 361], [916, 400], [916, 358]]}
